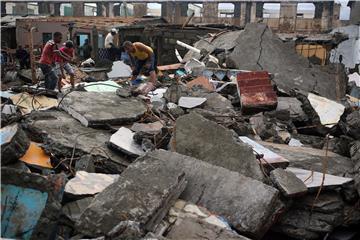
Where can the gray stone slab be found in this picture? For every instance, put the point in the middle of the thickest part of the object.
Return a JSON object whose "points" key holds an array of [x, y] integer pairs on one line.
{"points": [[153, 128], [288, 183], [14, 143], [99, 108], [191, 228], [217, 103], [191, 102], [143, 194], [73, 210], [61, 134], [123, 141], [292, 105], [248, 205], [85, 183], [312, 159], [198, 137]]}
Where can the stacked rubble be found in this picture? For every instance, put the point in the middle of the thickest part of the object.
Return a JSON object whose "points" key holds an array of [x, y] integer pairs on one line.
{"points": [[191, 159]]}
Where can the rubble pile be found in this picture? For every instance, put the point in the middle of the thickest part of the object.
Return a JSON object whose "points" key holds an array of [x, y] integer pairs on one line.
{"points": [[244, 140]]}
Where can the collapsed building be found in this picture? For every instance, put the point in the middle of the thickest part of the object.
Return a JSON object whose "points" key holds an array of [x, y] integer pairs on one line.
{"points": [[247, 135]]}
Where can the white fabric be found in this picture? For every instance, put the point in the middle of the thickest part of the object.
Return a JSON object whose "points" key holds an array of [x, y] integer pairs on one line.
{"points": [[109, 39]]}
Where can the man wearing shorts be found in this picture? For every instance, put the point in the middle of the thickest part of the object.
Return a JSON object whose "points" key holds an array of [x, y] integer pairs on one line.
{"points": [[142, 58], [47, 59], [62, 60]]}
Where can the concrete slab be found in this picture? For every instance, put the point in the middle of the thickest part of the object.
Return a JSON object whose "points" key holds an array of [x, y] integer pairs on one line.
{"points": [[191, 102], [269, 157], [206, 140], [14, 143], [119, 69], [61, 134], [313, 180], [292, 105], [288, 183], [123, 140], [143, 194], [73, 210], [103, 86], [152, 128], [85, 183], [312, 159], [217, 103], [246, 204], [98, 108]]}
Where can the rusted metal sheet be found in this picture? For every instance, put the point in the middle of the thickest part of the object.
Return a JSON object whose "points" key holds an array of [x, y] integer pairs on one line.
{"points": [[255, 91], [30, 204]]}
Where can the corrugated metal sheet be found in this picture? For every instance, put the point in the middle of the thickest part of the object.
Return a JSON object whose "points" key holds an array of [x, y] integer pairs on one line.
{"points": [[256, 91]]}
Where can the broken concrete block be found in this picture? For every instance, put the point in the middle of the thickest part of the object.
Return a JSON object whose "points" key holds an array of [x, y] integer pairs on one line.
{"points": [[309, 219], [328, 111], [258, 48], [292, 105], [175, 92], [268, 156], [14, 143], [314, 180], [73, 210], [85, 183], [191, 102], [353, 124], [86, 163], [198, 137], [97, 108], [143, 194], [123, 92], [217, 103], [312, 159], [152, 128], [61, 134], [248, 205], [31, 204], [203, 82], [123, 140], [287, 182], [192, 228], [119, 69]]}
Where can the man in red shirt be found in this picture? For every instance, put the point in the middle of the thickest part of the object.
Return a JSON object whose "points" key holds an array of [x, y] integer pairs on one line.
{"points": [[47, 59], [66, 54]]}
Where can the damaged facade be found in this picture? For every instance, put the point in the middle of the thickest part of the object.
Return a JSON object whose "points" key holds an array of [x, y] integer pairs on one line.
{"points": [[251, 130]]}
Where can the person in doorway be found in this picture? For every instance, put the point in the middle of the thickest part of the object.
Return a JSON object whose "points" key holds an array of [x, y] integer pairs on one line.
{"points": [[87, 49], [115, 53], [47, 59], [24, 57], [142, 59], [66, 54]]}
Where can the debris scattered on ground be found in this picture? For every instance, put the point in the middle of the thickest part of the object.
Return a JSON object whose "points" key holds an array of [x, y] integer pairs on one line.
{"points": [[244, 139]]}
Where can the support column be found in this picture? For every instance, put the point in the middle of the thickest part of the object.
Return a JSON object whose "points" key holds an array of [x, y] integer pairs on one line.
{"points": [[210, 12], [20, 9], [253, 12], [140, 9], [3, 8], [237, 13], [57, 9], [243, 14], [44, 8], [287, 16], [110, 10], [326, 18], [78, 9]]}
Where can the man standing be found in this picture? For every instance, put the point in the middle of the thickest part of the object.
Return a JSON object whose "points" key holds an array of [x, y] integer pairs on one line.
{"points": [[142, 58], [109, 44], [66, 55], [24, 57], [87, 49], [47, 59]]}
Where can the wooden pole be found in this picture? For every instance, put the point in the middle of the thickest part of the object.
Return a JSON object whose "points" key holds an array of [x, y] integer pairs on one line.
{"points": [[32, 57]]}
